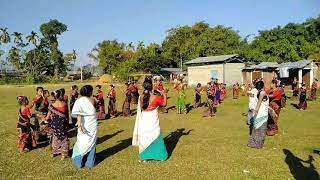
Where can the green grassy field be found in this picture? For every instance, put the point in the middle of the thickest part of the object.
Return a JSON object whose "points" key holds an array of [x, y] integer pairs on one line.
{"points": [[200, 148]]}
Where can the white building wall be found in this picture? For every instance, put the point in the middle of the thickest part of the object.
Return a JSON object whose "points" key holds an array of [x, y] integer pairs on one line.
{"points": [[233, 73], [202, 74]]}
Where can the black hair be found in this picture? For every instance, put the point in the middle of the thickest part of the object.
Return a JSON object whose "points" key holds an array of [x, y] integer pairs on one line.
{"points": [[98, 86], [21, 100], [147, 85], [260, 85], [45, 91], [86, 90], [111, 85], [199, 85], [274, 81], [37, 89], [63, 92], [57, 94], [74, 87]]}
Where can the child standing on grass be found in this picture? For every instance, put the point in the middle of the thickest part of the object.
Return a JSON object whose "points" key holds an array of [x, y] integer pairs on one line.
{"points": [[25, 133]]}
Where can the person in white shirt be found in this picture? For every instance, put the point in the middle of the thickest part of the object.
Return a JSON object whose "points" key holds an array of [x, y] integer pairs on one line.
{"points": [[253, 100]]}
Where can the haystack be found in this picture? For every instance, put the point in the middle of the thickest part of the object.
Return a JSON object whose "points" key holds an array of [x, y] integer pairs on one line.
{"points": [[106, 78]]}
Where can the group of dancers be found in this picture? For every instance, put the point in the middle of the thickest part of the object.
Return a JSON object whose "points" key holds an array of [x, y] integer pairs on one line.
{"points": [[265, 105], [51, 117]]}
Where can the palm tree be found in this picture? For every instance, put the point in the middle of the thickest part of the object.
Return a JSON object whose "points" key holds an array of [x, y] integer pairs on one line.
{"points": [[17, 38], [130, 46], [32, 38], [4, 36]]}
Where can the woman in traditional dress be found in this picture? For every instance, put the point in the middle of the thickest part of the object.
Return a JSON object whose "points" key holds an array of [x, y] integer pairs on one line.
{"points": [[258, 124], [73, 97], [235, 91], [85, 146], [181, 97], [197, 96], [58, 112], [211, 110], [41, 106], [223, 92], [112, 110], [303, 98], [275, 94], [146, 134], [126, 104], [160, 87], [100, 108], [295, 89], [135, 92], [25, 133], [314, 88]]}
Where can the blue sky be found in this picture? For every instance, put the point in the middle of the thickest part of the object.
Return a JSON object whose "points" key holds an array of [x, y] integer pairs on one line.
{"points": [[91, 21]]}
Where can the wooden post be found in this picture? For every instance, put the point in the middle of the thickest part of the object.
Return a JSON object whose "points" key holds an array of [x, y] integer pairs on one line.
{"points": [[81, 73], [300, 77]]}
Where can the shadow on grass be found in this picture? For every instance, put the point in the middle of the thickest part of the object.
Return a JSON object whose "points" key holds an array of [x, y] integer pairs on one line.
{"points": [[173, 138], [122, 144], [108, 136], [189, 107], [316, 151], [295, 105], [297, 169]]}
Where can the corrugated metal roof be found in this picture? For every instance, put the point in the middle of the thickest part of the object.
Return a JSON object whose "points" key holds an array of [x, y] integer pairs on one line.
{"points": [[263, 65], [211, 59], [296, 64], [274, 65], [171, 70]]}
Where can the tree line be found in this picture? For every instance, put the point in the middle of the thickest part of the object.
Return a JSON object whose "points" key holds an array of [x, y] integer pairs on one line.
{"points": [[292, 42], [37, 57]]}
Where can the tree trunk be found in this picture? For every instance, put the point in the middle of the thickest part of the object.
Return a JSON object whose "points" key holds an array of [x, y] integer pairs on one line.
{"points": [[56, 73]]}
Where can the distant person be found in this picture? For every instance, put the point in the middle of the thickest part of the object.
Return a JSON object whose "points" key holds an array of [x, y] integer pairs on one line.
{"points": [[211, 110], [258, 124], [180, 88], [295, 89], [303, 98], [223, 92], [314, 88], [236, 91], [100, 105], [112, 109], [74, 95], [127, 101], [58, 113], [84, 150], [147, 135], [197, 96], [26, 140]]}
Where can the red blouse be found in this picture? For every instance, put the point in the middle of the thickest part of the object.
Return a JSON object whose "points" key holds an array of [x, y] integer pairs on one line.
{"points": [[157, 101], [26, 112]]}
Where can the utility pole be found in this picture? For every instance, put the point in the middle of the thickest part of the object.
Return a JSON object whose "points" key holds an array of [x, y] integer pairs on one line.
{"points": [[81, 73]]}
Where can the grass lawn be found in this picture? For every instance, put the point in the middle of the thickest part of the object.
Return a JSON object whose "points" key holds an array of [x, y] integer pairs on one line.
{"points": [[200, 148]]}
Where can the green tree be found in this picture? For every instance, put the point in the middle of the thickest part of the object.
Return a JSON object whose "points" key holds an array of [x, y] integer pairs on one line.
{"points": [[108, 54], [50, 32], [4, 36], [33, 38]]}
